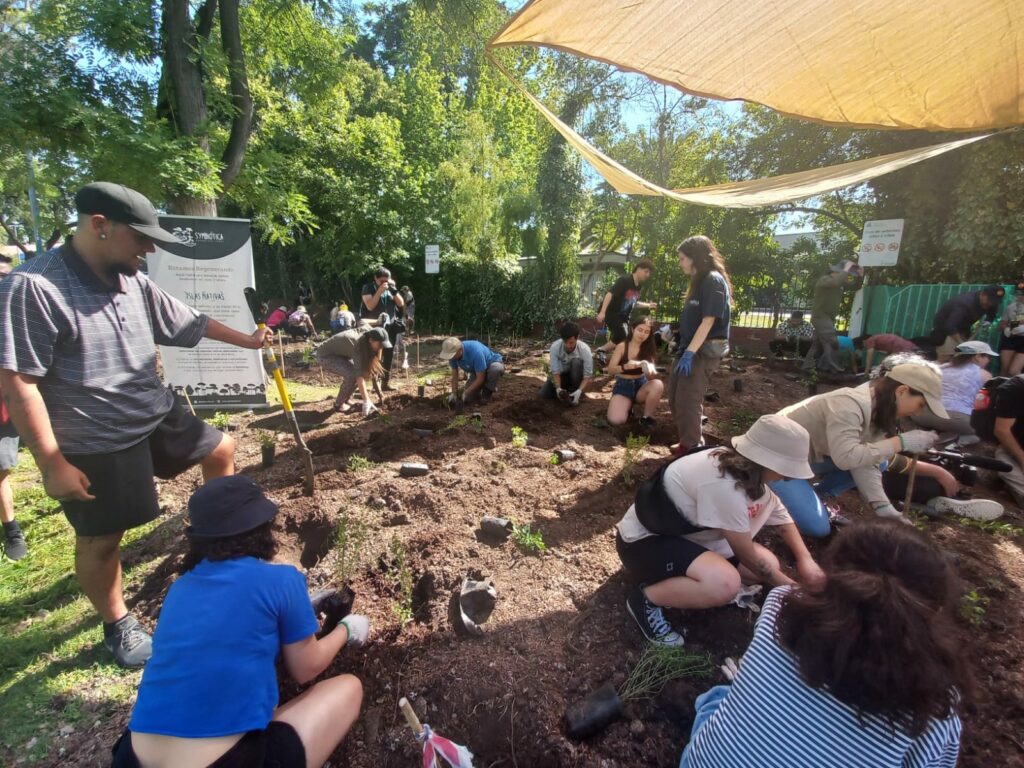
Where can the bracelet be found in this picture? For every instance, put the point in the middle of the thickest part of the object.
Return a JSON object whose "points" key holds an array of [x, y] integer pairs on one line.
{"points": [[903, 446]]}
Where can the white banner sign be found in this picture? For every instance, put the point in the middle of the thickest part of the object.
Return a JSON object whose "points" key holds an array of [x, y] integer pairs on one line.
{"points": [[880, 244], [433, 255], [209, 271]]}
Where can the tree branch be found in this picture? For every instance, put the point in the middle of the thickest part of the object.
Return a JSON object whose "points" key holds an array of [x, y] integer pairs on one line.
{"points": [[12, 236], [204, 19], [241, 124], [813, 211]]}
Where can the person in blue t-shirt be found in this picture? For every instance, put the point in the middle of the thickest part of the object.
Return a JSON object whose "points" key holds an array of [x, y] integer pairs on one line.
{"points": [[209, 693], [483, 368], [703, 336]]}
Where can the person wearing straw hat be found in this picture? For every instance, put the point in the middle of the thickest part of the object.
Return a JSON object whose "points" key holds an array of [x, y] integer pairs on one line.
{"points": [[962, 377], [483, 369], [209, 694], [855, 434], [688, 538]]}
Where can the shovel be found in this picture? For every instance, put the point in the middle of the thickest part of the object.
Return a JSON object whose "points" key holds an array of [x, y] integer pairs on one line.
{"points": [[272, 367]]}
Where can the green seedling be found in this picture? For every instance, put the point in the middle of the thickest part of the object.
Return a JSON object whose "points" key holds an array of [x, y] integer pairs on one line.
{"points": [[400, 570], [266, 438], [553, 459], [350, 536], [994, 527], [529, 541], [309, 354], [658, 665], [357, 463], [635, 445], [519, 437], [741, 420], [220, 420], [458, 422], [973, 607]]}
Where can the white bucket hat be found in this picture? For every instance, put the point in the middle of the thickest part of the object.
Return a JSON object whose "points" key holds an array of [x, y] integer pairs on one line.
{"points": [[975, 348], [777, 443], [450, 348]]}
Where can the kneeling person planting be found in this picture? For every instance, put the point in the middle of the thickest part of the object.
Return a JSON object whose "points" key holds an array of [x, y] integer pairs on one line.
{"points": [[688, 538], [482, 366], [572, 367]]}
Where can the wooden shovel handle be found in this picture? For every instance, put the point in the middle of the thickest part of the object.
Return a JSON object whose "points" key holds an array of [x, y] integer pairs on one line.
{"points": [[410, 715]]}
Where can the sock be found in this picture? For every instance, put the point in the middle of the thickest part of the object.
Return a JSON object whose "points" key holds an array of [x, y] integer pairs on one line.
{"points": [[11, 527], [110, 626]]}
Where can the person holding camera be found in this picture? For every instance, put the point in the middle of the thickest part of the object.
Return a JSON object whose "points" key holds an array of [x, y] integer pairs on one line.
{"points": [[209, 694], [572, 367], [383, 303], [1011, 340]]}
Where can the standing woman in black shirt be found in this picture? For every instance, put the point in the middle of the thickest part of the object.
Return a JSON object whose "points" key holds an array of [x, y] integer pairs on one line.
{"points": [[703, 336]]}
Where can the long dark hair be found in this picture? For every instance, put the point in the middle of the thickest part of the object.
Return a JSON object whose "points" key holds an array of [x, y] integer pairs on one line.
{"points": [[879, 634], [746, 473], [883, 404], [258, 543], [959, 360], [649, 348], [706, 258], [374, 367]]}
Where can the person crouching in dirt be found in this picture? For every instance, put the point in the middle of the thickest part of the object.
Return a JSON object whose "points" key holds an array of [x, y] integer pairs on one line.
{"points": [[854, 437], [870, 657], [688, 537], [572, 367], [356, 355], [209, 694], [636, 381], [483, 369]]}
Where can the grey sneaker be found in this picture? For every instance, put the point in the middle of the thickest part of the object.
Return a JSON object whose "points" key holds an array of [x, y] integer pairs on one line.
{"points": [[14, 544], [129, 642], [976, 509], [651, 620]]}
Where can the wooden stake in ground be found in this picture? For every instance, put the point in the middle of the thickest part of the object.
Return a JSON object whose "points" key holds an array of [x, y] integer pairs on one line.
{"points": [[280, 339], [910, 484], [187, 400]]}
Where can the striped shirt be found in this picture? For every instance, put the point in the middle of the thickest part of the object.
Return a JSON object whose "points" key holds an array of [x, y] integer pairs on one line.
{"points": [[772, 719], [91, 345]]}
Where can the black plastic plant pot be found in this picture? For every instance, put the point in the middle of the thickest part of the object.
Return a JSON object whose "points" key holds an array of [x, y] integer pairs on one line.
{"points": [[497, 528], [267, 454], [812, 388], [594, 713], [737, 385], [332, 605], [421, 391]]}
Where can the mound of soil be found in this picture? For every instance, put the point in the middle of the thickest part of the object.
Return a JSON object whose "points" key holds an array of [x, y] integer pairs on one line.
{"points": [[559, 630]]}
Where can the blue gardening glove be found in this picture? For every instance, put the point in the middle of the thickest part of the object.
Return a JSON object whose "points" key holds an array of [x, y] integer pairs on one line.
{"points": [[685, 365]]}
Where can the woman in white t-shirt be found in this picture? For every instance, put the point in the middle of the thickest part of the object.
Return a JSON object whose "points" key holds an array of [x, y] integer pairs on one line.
{"points": [[688, 537], [962, 377]]}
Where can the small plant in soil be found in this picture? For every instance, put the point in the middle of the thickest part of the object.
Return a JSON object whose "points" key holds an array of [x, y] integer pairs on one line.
{"points": [[400, 569], [553, 459], [498, 467], [529, 541], [635, 445], [266, 438], [973, 607], [475, 423], [995, 527], [519, 437], [350, 536], [357, 463], [309, 353], [384, 418], [741, 420], [658, 665], [220, 420]]}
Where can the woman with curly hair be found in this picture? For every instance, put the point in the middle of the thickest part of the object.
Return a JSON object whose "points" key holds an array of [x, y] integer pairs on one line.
{"points": [[636, 379], [864, 669], [703, 336], [209, 693]]}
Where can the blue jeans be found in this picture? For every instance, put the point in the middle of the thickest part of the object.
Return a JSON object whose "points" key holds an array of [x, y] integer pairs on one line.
{"points": [[804, 502], [706, 705]]}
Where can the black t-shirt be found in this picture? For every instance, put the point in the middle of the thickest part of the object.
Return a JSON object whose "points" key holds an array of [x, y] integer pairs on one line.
{"points": [[957, 315], [386, 304], [710, 300], [625, 295], [1009, 404]]}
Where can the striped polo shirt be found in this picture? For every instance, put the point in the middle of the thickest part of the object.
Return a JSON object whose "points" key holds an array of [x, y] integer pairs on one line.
{"points": [[92, 347], [773, 719]]}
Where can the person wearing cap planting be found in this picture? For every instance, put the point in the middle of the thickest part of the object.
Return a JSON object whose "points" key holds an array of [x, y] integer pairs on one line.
{"points": [[1011, 340], [572, 367], [823, 355], [382, 302], [854, 435], [962, 377], [78, 373], [356, 355], [277, 319], [300, 324], [689, 536], [482, 366], [209, 695], [952, 323]]}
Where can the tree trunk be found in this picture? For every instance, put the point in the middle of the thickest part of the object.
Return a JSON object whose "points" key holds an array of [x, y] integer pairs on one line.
{"points": [[241, 124]]}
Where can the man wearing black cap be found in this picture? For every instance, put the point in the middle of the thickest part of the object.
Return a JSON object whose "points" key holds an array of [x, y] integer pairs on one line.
{"points": [[952, 323], [383, 302], [78, 373]]}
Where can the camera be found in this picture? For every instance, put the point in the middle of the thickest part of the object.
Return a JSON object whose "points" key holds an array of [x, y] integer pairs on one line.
{"points": [[964, 466]]}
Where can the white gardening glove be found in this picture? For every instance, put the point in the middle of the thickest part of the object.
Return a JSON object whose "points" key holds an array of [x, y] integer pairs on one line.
{"points": [[561, 394], [889, 511], [648, 368], [574, 398], [747, 596], [368, 407], [358, 627], [918, 440]]}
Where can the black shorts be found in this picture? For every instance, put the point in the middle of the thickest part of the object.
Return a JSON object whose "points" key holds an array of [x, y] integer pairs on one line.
{"points": [[278, 745], [1011, 343], [122, 481], [657, 558], [618, 329]]}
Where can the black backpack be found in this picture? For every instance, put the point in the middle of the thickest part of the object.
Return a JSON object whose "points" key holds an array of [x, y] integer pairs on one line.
{"points": [[983, 419]]}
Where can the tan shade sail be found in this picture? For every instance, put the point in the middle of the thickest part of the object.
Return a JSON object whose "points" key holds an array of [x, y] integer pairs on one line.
{"points": [[933, 64], [756, 193]]}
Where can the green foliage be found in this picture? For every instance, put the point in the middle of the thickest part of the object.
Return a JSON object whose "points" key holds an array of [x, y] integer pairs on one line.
{"points": [[357, 463], [266, 437], [350, 537], [220, 420], [661, 664], [529, 541], [519, 437], [635, 445], [553, 459], [474, 422], [973, 607], [741, 419], [994, 527], [400, 571]]}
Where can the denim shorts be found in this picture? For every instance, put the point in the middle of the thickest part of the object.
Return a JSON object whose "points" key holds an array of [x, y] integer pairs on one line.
{"points": [[628, 387]]}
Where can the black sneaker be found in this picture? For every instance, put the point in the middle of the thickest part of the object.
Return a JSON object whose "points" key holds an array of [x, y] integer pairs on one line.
{"points": [[14, 544], [651, 620], [486, 395], [646, 422], [129, 642]]}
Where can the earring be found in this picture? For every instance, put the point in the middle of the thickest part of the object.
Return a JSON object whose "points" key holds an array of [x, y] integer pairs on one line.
{"points": [[102, 236]]}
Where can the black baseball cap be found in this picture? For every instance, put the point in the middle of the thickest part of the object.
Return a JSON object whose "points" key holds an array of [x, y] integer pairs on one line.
{"points": [[228, 506], [994, 291], [380, 335], [122, 204]]}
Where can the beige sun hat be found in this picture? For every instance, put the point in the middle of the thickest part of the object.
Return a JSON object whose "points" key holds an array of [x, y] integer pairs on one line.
{"points": [[777, 443], [450, 348], [923, 379]]}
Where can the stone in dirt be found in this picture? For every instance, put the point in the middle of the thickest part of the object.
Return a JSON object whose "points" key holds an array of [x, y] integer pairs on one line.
{"points": [[564, 455], [412, 469]]}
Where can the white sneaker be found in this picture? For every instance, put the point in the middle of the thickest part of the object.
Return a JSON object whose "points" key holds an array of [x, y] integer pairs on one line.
{"points": [[976, 509]]}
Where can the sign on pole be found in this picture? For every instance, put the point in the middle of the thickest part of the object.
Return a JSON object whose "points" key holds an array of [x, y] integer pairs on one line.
{"points": [[208, 270], [433, 254], [880, 243]]}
